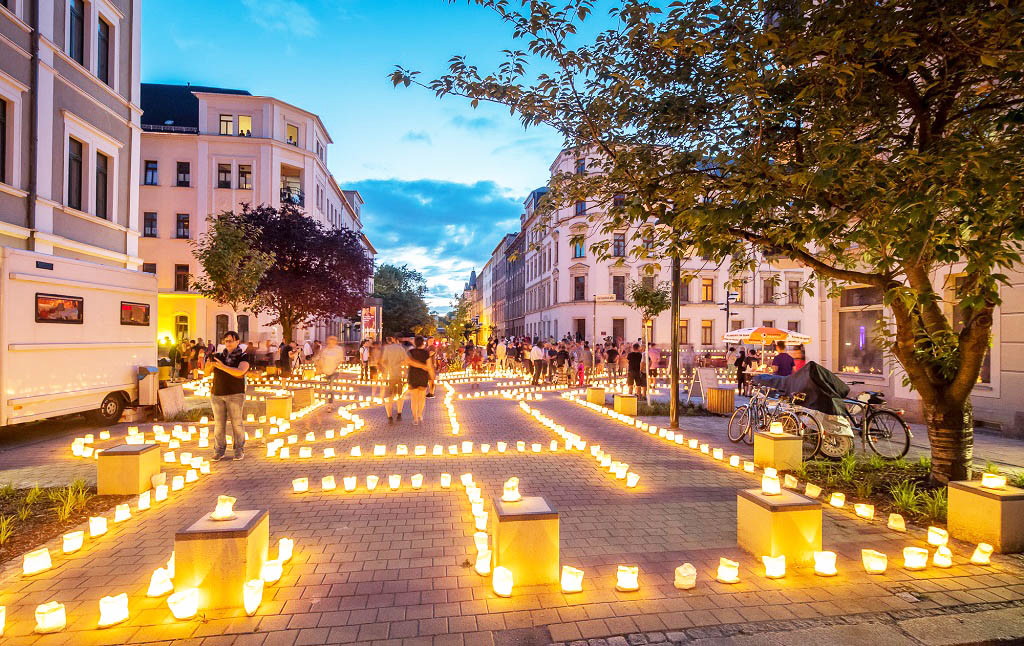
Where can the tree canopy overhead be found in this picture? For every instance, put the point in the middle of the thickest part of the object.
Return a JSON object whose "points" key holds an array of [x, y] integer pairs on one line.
{"points": [[877, 143]]}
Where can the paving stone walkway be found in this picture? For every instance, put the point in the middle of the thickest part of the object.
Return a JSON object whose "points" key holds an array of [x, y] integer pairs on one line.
{"points": [[393, 568]]}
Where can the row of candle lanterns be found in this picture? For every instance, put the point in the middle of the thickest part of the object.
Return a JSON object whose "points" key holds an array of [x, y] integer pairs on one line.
{"points": [[351, 483]]}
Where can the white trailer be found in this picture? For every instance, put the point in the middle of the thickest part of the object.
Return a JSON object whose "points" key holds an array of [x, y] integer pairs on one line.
{"points": [[73, 336]]}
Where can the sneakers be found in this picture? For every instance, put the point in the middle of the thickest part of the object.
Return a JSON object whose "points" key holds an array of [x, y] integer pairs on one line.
{"points": [[219, 457], [239, 454], [399, 416], [430, 395], [391, 420]]}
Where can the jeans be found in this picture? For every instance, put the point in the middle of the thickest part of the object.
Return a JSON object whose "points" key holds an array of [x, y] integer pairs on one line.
{"points": [[225, 406], [364, 370], [538, 369]]}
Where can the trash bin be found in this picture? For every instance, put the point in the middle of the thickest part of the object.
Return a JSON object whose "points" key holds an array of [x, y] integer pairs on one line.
{"points": [[149, 384]]}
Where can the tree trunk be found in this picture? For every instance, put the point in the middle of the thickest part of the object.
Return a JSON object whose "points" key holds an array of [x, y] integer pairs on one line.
{"points": [[951, 434], [286, 328]]}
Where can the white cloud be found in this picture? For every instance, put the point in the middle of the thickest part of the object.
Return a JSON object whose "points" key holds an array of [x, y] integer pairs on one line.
{"points": [[288, 16]]}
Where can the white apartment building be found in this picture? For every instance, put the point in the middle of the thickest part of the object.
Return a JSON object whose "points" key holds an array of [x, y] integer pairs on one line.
{"points": [[571, 292], [207, 150]]}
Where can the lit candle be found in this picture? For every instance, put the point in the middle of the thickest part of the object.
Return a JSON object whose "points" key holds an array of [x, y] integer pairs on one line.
{"points": [[349, 482], [511, 491], [982, 554], [113, 610], [520, 446], [50, 617], [144, 501], [502, 446], [160, 583], [734, 460], [159, 494], [73, 541], [501, 581], [774, 566], [943, 557], [300, 485], [627, 578], [97, 526], [36, 561], [775, 428], [480, 521], [748, 466], [371, 482], [572, 579], [718, 454], [446, 480], [305, 452], [122, 513], [896, 523], [379, 449], [327, 483], [993, 481], [191, 475], [394, 481], [438, 449], [417, 481], [184, 604], [252, 595], [632, 479], [271, 571], [825, 563], [770, 485], [466, 479], [874, 562], [864, 510], [937, 536], [915, 558], [728, 571], [837, 499], [485, 448], [685, 577], [285, 549], [177, 483], [329, 452], [355, 452], [420, 450], [402, 449]]}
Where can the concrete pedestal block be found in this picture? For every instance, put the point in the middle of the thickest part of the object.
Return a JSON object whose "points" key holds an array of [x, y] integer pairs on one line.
{"points": [[219, 556], [126, 469], [783, 452], [993, 516], [272, 370], [279, 406], [625, 404], [526, 541], [787, 523], [595, 396], [721, 401], [302, 396], [308, 374]]}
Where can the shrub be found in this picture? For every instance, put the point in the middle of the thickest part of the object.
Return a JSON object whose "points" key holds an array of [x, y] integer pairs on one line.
{"points": [[6, 528], [935, 503], [906, 499], [34, 494]]}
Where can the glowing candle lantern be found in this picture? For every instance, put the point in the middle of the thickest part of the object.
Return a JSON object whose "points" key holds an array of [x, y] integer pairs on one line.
{"points": [[159, 495], [327, 483], [734, 460], [466, 479], [371, 482], [252, 596], [174, 444], [535, 447], [553, 446], [196, 462], [480, 540], [113, 610], [329, 452], [632, 479], [943, 557], [627, 578], [993, 481], [311, 437], [417, 481], [897, 523], [177, 483], [184, 604], [748, 466], [467, 447], [285, 549], [300, 485], [825, 563], [104, 435], [770, 485], [864, 510], [485, 448], [480, 521], [728, 571], [97, 526], [420, 450], [329, 434], [169, 457], [685, 577], [937, 536], [718, 454], [775, 428], [572, 579], [771, 471], [305, 451], [438, 450], [453, 449], [774, 566], [271, 449], [874, 561], [394, 481], [292, 439], [145, 500], [72, 541], [620, 471], [160, 583], [520, 446], [191, 475], [693, 443], [511, 491], [705, 449], [501, 581], [446, 480], [50, 617], [355, 452], [349, 482], [379, 449], [812, 490], [36, 562], [982, 554], [185, 457], [502, 446], [402, 449], [837, 499], [915, 558], [483, 562], [206, 420], [122, 513]]}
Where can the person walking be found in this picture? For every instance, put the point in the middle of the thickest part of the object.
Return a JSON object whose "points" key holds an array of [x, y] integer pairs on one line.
{"points": [[612, 361], [783, 362], [799, 358], [285, 358], [364, 360], [421, 372], [329, 361], [741, 371], [636, 381], [228, 395], [392, 357], [537, 357]]}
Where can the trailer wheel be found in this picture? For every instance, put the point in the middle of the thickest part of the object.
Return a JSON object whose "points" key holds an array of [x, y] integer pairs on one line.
{"points": [[110, 410]]}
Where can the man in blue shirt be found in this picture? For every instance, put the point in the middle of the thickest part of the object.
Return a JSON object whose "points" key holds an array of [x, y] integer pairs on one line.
{"points": [[783, 363]]}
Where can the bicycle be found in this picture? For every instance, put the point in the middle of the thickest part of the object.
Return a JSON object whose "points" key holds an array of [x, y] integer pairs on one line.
{"points": [[879, 426], [758, 416]]}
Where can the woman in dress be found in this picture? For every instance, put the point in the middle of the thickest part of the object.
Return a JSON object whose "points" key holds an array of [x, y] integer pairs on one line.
{"points": [[421, 372]]}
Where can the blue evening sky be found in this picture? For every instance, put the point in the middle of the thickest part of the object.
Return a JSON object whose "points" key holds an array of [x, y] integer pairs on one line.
{"points": [[442, 182]]}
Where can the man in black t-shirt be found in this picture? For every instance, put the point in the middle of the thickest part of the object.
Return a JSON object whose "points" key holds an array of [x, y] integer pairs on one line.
{"points": [[635, 378], [228, 395]]}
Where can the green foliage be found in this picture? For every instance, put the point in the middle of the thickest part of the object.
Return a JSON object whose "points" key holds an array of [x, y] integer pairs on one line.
{"points": [[865, 487], [405, 311], [6, 528], [1017, 479], [7, 490], [191, 415], [232, 264], [650, 301], [906, 499], [32, 495], [991, 467], [24, 512], [934, 504], [925, 462], [64, 503], [847, 467], [876, 462]]}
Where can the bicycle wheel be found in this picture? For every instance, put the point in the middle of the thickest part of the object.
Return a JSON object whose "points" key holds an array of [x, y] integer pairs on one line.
{"points": [[804, 425], [887, 434], [739, 424]]}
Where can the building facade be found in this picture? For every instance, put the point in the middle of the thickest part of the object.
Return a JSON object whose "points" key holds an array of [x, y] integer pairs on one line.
{"points": [[498, 290], [69, 142], [209, 150], [515, 283]]}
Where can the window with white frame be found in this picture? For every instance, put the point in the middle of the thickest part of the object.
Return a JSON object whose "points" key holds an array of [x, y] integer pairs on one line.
{"points": [[227, 124], [245, 176], [11, 93], [91, 166], [76, 30], [92, 37], [244, 125], [860, 310]]}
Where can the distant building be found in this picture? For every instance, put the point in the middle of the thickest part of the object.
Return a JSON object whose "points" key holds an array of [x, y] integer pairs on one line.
{"points": [[208, 150], [515, 284]]}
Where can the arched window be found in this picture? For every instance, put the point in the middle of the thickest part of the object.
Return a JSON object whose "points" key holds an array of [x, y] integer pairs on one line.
{"points": [[222, 327], [243, 327]]}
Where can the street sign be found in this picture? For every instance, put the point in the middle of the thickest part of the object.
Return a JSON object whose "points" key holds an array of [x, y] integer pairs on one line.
{"points": [[604, 298]]}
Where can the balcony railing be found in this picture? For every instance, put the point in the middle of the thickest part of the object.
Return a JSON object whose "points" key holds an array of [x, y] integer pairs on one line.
{"points": [[293, 196]]}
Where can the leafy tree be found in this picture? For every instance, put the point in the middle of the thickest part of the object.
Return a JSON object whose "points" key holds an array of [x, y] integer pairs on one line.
{"points": [[876, 143], [405, 310], [232, 264], [317, 274]]}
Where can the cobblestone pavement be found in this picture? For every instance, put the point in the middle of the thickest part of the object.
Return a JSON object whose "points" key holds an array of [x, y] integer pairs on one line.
{"points": [[394, 567]]}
